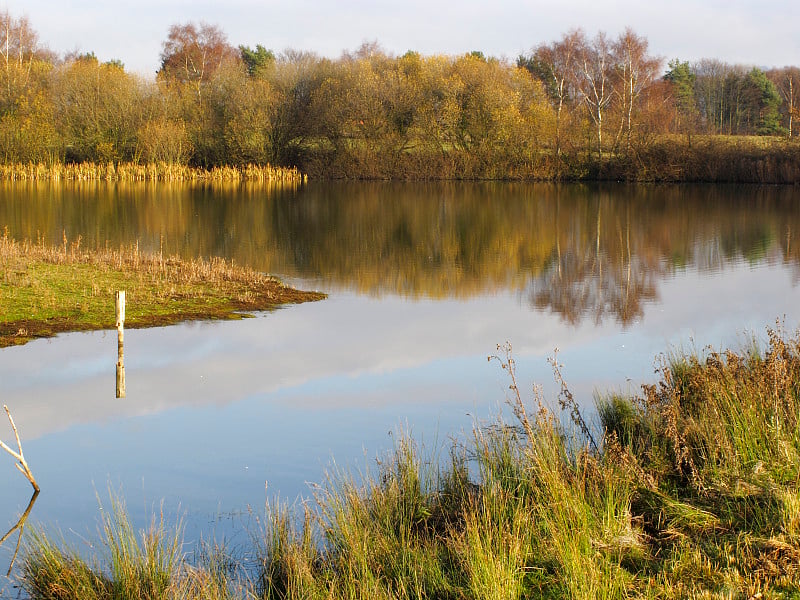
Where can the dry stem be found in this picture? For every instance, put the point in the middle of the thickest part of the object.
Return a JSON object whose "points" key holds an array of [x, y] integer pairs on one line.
{"points": [[567, 401], [505, 357], [21, 464]]}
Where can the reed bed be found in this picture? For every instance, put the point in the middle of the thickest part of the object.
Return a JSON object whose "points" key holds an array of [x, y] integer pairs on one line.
{"points": [[692, 492], [161, 171]]}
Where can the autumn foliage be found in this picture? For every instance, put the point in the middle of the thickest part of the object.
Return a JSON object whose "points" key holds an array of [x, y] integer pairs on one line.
{"points": [[579, 107]]}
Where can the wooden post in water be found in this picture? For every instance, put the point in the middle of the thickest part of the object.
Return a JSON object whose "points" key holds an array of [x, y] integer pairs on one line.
{"points": [[120, 306]]}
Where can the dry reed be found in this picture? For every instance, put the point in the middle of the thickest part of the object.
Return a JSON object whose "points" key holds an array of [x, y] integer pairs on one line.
{"points": [[147, 172]]}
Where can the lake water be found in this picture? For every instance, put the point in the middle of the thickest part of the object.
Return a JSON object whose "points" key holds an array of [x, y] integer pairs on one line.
{"points": [[424, 281]]}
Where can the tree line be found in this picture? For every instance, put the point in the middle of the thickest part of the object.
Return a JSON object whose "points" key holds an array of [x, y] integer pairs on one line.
{"points": [[577, 107]]}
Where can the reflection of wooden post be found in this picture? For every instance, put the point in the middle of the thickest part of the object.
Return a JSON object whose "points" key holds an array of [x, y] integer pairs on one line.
{"points": [[120, 305]]}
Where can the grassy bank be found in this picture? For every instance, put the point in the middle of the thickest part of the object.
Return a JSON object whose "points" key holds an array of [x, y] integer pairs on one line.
{"points": [[660, 158], [692, 490], [159, 171], [707, 159], [45, 290], [657, 158]]}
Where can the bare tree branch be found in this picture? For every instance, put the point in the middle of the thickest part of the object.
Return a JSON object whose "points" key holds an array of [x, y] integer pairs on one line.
{"points": [[21, 464]]}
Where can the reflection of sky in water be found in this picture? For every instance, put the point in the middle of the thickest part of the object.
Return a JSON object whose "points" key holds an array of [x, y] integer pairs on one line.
{"points": [[215, 410]]}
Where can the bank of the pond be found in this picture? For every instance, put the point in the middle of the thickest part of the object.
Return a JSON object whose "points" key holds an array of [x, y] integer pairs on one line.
{"points": [[45, 290], [660, 158], [690, 490]]}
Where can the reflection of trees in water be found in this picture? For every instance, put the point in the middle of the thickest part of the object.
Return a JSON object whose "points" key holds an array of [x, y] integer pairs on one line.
{"points": [[435, 240], [611, 252], [581, 251], [600, 275], [580, 286]]}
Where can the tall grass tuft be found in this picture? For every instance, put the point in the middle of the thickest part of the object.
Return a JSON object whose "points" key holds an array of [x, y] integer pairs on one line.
{"points": [[288, 555], [496, 544], [147, 564], [714, 448], [724, 422], [383, 535], [142, 564], [50, 573]]}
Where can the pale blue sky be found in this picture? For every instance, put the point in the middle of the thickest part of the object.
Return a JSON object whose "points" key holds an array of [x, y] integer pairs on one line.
{"points": [[747, 31]]}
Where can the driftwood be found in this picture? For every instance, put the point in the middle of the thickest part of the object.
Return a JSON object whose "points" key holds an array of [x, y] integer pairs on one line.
{"points": [[21, 464], [21, 526]]}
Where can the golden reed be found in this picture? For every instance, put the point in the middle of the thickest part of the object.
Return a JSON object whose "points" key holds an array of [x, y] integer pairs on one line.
{"points": [[146, 172]]}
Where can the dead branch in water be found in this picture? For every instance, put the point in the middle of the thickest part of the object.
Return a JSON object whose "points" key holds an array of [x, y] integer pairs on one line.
{"points": [[20, 525], [21, 464]]}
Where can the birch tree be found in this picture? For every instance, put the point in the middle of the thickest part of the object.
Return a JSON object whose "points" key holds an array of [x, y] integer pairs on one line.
{"points": [[787, 81], [595, 84], [635, 71], [19, 51], [556, 65]]}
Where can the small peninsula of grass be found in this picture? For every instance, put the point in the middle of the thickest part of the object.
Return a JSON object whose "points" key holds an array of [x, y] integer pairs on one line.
{"points": [[689, 490], [45, 290]]}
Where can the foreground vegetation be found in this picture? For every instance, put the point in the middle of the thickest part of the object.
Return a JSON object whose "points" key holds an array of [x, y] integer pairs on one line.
{"points": [[45, 290], [693, 490]]}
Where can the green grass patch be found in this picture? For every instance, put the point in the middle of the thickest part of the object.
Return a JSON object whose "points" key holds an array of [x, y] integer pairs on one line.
{"points": [[45, 290]]}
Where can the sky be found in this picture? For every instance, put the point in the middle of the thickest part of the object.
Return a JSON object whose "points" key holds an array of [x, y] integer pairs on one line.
{"points": [[752, 32]]}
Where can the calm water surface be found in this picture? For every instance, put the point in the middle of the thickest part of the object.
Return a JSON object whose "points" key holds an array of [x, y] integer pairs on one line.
{"points": [[424, 282]]}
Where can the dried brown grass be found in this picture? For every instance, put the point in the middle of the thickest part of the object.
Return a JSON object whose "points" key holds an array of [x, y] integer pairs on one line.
{"points": [[161, 171]]}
